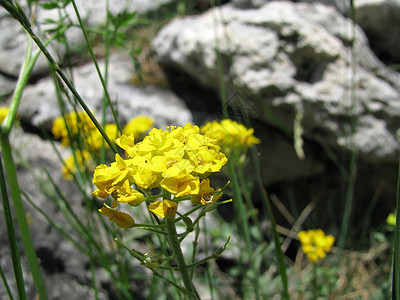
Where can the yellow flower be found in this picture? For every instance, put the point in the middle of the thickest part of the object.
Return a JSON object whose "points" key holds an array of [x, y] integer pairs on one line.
{"points": [[230, 134], [174, 160], [73, 123], [94, 139], [207, 194], [144, 176], [105, 178], [3, 113], [120, 218], [83, 159], [126, 194], [207, 160], [179, 168], [315, 243], [137, 126], [163, 208], [391, 220], [127, 143], [181, 186]]}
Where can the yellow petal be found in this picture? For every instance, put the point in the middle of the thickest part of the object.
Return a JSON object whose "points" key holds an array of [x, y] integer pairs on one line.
{"points": [[163, 208]]}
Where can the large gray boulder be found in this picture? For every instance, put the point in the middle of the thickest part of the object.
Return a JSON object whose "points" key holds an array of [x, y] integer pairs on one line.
{"points": [[290, 58], [13, 38], [39, 106]]}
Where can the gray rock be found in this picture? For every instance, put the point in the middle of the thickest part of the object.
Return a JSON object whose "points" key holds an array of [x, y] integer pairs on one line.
{"points": [[248, 3], [39, 104], [293, 57], [340, 5], [93, 13], [6, 86], [380, 21]]}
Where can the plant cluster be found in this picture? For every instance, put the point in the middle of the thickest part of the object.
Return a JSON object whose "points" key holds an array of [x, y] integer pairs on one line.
{"points": [[77, 130], [315, 243], [230, 135], [177, 160], [159, 181]]}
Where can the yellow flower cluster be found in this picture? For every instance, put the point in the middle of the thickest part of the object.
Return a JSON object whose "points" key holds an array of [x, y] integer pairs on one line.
{"points": [[315, 243], [137, 126], [72, 125], [82, 158], [78, 126], [230, 134], [177, 160], [3, 113]]}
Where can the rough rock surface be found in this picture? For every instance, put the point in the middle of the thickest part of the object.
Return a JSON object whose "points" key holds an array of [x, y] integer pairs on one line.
{"points": [[248, 3], [294, 57], [39, 104], [13, 38]]}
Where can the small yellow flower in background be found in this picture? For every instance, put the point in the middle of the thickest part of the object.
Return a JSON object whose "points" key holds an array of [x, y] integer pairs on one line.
{"points": [[230, 134], [315, 243], [94, 139], [391, 220], [3, 113], [79, 125], [137, 126], [163, 208], [74, 123], [83, 159]]}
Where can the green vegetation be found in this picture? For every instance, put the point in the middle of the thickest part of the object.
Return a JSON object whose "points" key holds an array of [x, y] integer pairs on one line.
{"points": [[154, 185]]}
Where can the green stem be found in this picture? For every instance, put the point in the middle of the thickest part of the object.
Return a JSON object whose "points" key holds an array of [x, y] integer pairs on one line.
{"points": [[12, 238], [176, 248], [6, 152], [314, 281], [21, 217], [3, 277], [348, 205], [102, 79], [239, 206], [396, 250], [268, 209]]}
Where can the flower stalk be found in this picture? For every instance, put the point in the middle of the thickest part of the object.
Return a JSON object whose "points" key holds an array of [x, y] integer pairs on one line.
{"points": [[176, 248], [12, 179]]}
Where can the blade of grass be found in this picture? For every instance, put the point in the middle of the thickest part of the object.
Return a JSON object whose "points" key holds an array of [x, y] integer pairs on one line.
{"points": [[10, 168], [396, 252], [12, 239], [268, 210], [21, 217], [103, 81], [4, 279]]}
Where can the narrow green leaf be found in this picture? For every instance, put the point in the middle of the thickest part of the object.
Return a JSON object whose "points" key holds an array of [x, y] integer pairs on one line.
{"points": [[12, 238], [396, 252]]}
